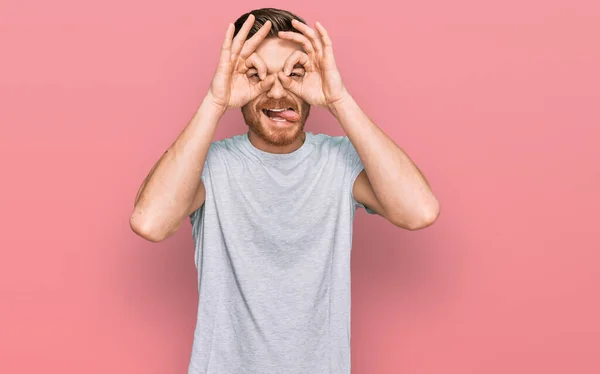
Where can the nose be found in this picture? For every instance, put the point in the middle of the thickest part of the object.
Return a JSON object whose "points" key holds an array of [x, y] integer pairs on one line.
{"points": [[277, 91]]}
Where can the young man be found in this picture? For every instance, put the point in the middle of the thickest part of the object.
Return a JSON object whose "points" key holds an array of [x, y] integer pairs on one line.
{"points": [[272, 209]]}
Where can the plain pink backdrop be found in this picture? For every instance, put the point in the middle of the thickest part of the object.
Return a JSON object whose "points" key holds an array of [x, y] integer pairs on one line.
{"points": [[497, 102]]}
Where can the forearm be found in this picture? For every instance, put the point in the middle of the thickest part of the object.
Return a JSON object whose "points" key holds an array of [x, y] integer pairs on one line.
{"points": [[170, 187], [400, 187]]}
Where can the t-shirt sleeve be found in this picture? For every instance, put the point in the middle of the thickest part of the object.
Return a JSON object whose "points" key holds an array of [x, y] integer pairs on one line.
{"points": [[205, 177], [355, 166]]}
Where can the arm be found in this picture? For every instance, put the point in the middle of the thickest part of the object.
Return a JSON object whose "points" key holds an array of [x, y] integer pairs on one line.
{"points": [[391, 184], [173, 188]]}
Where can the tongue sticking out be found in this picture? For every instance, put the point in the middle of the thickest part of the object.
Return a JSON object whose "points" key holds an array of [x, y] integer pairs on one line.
{"points": [[288, 115]]}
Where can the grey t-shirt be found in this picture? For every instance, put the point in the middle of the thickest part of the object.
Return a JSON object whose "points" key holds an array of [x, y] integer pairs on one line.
{"points": [[272, 249]]}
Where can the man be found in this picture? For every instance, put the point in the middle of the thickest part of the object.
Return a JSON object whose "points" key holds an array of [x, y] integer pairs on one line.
{"points": [[272, 209]]}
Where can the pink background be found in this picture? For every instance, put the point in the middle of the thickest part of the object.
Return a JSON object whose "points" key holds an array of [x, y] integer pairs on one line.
{"points": [[497, 102]]}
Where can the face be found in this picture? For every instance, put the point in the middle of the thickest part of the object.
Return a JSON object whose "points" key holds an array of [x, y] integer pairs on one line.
{"points": [[274, 52]]}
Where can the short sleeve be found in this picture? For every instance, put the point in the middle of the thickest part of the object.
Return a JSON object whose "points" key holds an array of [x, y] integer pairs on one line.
{"points": [[355, 166], [205, 177]]}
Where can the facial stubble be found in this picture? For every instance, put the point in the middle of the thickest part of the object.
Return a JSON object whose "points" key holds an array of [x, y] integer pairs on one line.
{"points": [[276, 136]]}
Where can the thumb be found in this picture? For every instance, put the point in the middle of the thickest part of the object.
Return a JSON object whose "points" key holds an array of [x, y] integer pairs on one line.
{"points": [[288, 83]]}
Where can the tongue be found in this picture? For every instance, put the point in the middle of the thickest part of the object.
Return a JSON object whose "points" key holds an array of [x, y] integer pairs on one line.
{"points": [[289, 115]]}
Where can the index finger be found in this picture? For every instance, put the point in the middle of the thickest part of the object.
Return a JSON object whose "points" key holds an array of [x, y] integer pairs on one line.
{"points": [[251, 44], [225, 56], [238, 41]]}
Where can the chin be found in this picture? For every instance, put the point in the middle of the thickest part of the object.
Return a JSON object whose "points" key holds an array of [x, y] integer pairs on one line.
{"points": [[277, 134]]}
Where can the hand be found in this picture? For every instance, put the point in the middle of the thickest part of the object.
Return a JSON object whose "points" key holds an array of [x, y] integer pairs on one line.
{"points": [[321, 83], [230, 86]]}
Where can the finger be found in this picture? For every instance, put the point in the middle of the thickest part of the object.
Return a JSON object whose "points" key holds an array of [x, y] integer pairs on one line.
{"points": [[328, 46], [266, 84], [315, 38], [299, 38], [254, 61], [327, 43], [262, 86], [251, 44], [240, 38], [288, 83], [297, 57], [225, 57]]}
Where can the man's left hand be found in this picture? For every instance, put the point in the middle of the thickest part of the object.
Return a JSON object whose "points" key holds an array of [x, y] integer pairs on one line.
{"points": [[320, 82]]}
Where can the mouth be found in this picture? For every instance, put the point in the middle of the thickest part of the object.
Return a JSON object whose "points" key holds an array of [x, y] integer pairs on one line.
{"points": [[267, 111], [273, 117]]}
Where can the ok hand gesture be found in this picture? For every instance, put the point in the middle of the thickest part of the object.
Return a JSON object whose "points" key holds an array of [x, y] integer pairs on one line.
{"points": [[321, 83], [230, 87]]}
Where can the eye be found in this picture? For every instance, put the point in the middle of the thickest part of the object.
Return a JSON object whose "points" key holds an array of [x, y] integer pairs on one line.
{"points": [[255, 75], [299, 75]]}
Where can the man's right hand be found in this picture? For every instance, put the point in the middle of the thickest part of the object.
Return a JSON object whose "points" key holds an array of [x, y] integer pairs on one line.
{"points": [[232, 86]]}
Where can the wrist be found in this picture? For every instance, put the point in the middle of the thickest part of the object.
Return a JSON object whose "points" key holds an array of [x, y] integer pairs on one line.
{"points": [[336, 106], [212, 106]]}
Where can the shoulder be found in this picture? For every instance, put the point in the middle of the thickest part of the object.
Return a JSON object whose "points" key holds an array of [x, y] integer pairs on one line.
{"points": [[343, 147], [225, 144], [327, 139], [334, 143], [224, 147]]}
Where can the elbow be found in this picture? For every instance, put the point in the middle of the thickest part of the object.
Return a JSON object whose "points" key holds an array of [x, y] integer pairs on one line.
{"points": [[429, 216], [426, 218], [425, 222], [144, 229]]}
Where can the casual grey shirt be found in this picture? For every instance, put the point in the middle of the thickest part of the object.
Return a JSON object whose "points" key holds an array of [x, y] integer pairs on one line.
{"points": [[272, 249]]}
